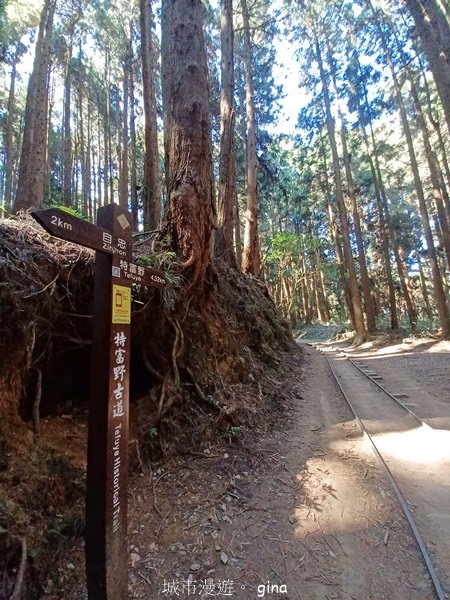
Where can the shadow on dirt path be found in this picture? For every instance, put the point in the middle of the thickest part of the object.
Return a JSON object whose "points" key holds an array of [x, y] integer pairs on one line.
{"points": [[303, 514]]}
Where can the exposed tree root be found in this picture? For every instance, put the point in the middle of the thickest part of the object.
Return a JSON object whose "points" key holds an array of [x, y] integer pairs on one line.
{"points": [[37, 403], [200, 352], [209, 403], [147, 364], [18, 587]]}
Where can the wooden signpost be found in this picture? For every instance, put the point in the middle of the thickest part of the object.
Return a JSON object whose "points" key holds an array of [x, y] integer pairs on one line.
{"points": [[107, 463]]}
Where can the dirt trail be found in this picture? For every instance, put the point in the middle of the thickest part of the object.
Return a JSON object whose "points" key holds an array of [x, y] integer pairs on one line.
{"points": [[304, 514], [418, 456]]}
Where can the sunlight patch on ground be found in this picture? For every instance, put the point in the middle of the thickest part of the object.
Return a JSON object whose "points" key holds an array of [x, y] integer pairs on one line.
{"points": [[335, 488], [443, 346], [422, 445], [402, 347], [395, 348]]}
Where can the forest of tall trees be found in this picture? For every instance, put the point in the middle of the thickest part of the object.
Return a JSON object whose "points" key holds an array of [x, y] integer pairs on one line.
{"points": [[345, 218]]}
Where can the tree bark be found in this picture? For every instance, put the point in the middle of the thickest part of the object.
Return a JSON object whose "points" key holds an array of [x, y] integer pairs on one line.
{"points": [[335, 235], [382, 217], [380, 188], [95, 196], [190, 211], [30, 188], [383, 228], [305, 290], [323, 289], [106, 133], [434, 120], [434, 32], [88, 165], [317, 286], [423, 285], [438, 290], [151, 189], [50, 106], [237, 228], [365, 281], [227, 184], [124, 167], [133, 167], [100, 198], [433, 167], [9, 134], [81, 137], [250, 257], [67, 158], [360, 329]]}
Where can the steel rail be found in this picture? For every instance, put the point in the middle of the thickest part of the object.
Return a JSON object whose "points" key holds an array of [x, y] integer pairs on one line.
{"points": [[426, 557], [392, 396]]}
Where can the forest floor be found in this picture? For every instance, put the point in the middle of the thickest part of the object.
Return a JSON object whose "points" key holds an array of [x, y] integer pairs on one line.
{"points": [[302, 512]]}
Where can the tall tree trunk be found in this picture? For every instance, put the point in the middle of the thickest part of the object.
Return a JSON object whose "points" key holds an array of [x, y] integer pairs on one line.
{"points": [[360, 329], [438, 290], [316, 285], [67, 158], [335, 235], [365, 281], [287, 295], [94, 183], [190, 211], [227, 184], [30, 189], [151, 189], [100, 199], [237, 228], [323, 289], [119, 154], [81, 134], [48, 157], [434, 120], [9, 135], [241, 110], [384, 229], [379, 183], [77, 165], [88, 172], [382, 218], [106, 133], [133, 168], [445, 183], [423, 285], [305, 290], [250, 258], [434, 32], [433, 168], [124, 171]]}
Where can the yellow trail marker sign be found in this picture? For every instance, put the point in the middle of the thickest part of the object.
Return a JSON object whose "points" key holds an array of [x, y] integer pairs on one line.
{"points": [[107, 463]]}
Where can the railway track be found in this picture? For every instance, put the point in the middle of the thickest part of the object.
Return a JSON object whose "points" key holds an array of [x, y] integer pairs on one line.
{"points": [[383, 415]]}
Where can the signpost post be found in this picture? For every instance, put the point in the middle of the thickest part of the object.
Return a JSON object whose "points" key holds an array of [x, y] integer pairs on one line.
{"points": [[107, 463]]}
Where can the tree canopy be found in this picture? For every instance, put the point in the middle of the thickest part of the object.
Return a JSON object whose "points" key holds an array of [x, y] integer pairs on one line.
{"points": [[345, 218]]}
